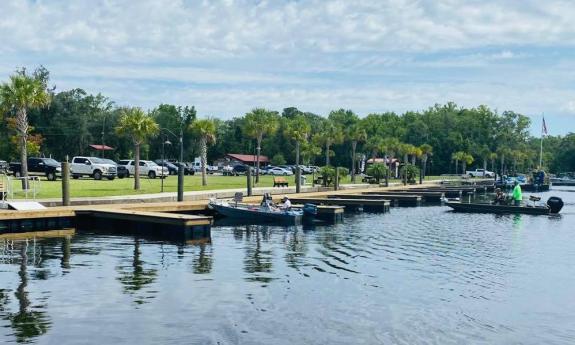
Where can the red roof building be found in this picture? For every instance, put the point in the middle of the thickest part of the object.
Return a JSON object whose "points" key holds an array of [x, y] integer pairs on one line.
{"points": [[238, 158]]}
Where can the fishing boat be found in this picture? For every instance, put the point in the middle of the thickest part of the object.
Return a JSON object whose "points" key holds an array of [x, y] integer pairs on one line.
{"points": [[261, 213], [553, 206]]}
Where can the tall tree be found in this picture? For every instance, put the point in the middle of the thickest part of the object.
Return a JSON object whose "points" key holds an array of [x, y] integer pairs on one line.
{"points": [[22, 93], [331, 134], [355, 134], [426, 151], [135, 124], [205, 130], [298, 130], [257, 123]]}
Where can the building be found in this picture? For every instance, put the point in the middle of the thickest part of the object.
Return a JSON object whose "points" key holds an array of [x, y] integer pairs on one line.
{"points": [[233, 159]]}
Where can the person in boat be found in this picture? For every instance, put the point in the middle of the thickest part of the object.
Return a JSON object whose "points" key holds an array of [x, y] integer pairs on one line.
{"points": [[517, 194], [286, 203], [267, 202], [500, 198]]}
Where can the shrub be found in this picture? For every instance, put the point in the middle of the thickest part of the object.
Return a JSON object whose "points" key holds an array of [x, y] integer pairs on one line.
{"points": [[378, 171], [412, 172], [278, 159]]}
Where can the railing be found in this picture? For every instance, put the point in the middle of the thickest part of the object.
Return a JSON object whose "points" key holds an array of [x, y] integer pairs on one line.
{"points": [[32, 190]]}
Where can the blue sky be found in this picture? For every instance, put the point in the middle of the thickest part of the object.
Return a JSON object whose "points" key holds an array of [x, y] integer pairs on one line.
{"points": [[227, 57]]}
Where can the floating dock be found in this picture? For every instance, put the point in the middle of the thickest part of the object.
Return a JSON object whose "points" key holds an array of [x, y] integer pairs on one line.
{"points": [[349, 204], [396, 199], [426, 196]]}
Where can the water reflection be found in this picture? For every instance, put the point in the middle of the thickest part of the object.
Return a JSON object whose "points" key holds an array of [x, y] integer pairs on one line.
{"points": [[136, 277], [204, 261], [30, 321]]}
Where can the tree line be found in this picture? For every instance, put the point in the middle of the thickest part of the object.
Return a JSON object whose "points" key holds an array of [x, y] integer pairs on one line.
{"points": [[37, 120]]}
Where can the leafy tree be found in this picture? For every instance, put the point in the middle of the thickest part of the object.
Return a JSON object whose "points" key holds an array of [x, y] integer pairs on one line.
{"points": [[260, 122], [22, 93], [278, 159], [138, 126], [205, 130]]}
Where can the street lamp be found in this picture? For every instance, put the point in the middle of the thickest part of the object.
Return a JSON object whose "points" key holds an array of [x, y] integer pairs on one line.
{"points": [[162, 177], [180, 166]]}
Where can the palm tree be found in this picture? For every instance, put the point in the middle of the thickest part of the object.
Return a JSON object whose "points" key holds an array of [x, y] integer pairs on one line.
{"points": [[298, 130], [19, 95], [492, 158], [467, 159], [415, 153], [356, 134], [138, 126], [206, 130], [330, 134], [426, 151], [257, 123], [457, 156]]}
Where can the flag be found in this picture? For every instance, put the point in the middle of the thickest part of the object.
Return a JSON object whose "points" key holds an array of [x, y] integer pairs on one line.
{"points": [[544, 127]]}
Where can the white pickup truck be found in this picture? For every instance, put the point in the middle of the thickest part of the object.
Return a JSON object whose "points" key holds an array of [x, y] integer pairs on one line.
{"points": [[480, 173], [93, 167], [147, 168]]}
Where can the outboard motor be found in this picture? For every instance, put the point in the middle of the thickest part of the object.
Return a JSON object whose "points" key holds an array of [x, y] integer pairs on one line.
{"points": [[310, 209], [555, 204]]}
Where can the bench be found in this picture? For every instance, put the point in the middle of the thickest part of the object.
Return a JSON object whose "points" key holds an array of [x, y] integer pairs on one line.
{"points": [[280, 182], [319, 181]]}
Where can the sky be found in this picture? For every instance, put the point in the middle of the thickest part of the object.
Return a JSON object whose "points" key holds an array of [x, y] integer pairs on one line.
{"points": [[228, 57]]}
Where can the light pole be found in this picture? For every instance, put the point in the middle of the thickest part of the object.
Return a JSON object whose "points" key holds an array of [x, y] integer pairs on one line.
{"points": [[162, 177], [180, 165]]}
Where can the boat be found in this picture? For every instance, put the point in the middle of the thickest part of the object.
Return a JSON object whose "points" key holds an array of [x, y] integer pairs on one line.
{"points": [[261, 213], [562, 181], [553, 206]]}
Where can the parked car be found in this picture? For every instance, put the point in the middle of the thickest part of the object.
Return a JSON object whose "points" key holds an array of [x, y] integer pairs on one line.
{"points": [[4, 167], [172, 168], [38, 167], [288, 168], [279, 171], [92, 166], [480, 173], [241, 169], [189, 169], [147, 168], [121, 171], [228, 170]]}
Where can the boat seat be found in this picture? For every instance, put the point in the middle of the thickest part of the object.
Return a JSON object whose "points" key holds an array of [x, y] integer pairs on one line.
{"points": [[534, 198]]}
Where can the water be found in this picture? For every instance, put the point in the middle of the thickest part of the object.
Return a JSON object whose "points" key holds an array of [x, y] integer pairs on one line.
{"points": [[413, 276]]}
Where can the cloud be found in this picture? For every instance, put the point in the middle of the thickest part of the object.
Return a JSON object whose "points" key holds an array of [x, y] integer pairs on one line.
{"points": [[227, 57]]}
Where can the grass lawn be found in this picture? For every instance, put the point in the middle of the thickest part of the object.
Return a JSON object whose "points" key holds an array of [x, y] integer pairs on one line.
{"points": [[90, 188]]}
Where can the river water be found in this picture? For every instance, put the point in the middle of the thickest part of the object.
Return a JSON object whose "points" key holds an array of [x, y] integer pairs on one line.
{"points": [[420, 275]]}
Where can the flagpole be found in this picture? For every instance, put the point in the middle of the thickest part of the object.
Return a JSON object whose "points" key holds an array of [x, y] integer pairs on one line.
{"points": [[541, 144]]}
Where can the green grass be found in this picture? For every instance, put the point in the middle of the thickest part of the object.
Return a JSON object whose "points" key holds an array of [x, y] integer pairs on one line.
{"points": [[90, 188]]}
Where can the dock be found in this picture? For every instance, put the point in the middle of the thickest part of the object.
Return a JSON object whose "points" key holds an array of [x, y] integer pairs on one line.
{"points": [[370, 205], [425, 195], [145, 222], [396, 199]]}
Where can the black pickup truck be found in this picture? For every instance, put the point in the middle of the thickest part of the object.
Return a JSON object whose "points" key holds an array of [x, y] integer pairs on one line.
{"points": [[38, 167]]}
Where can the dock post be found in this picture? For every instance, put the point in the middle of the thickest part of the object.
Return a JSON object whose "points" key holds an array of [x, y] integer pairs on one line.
{"points": [[297, 179], [65, 183], [180, 182], [387, 178], [420, 175], [336, 179], [249, 180]]}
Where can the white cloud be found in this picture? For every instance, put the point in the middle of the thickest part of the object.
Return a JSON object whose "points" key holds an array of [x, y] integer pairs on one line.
{"points": [[152, 29]]}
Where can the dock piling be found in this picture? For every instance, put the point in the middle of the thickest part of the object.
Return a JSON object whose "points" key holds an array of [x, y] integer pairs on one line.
{"points": [[180, 182], [249, 180], [65, 184]]}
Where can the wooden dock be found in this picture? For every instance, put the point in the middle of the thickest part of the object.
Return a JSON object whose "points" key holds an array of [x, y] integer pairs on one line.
{"points": [[396, 199], [349, 204], [426, 196]]}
